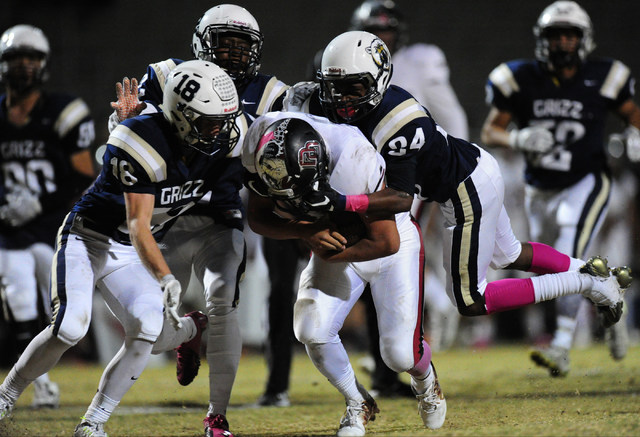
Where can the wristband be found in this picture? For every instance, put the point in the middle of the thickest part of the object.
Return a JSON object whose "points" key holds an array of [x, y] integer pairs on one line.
{"points": [[358, 203]]}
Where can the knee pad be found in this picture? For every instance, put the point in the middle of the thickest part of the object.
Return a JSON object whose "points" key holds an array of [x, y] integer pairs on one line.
{"points": [[72, 327], [397, 355], [307, 324], [145, 319]]}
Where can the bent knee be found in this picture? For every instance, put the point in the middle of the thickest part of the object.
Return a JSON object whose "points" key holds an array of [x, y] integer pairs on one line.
{"points": [[307, 325], [475, 309], [73, 327], [396, 356]]}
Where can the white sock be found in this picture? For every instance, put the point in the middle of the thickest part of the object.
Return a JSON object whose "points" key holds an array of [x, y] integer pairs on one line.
{"points": [[563, 337], [171, 338], [100, 409], [553, 285], [332, 361], [13, 385], [421, 383]]}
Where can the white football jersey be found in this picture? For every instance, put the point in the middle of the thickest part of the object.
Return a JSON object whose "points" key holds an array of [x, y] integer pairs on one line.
{"points": [[422, 70]]}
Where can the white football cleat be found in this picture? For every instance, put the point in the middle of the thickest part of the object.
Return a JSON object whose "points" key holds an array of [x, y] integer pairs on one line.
{"points": [[432, 405], [89, 429], [356, 417], [45, 395], [6, 406], [605, 289]]}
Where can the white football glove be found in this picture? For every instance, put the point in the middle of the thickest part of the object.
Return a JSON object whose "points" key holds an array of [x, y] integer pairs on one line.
{"points": [[22, 207], [531, 139], [171, 291], [632, 140], [297, 95]]}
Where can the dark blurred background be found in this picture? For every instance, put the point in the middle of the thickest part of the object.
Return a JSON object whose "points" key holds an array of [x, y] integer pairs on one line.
{"points": [[96, 43]]}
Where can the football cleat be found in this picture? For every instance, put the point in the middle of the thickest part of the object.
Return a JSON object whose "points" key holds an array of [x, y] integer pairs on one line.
{"points": [[274, 400], [605, 289], [89, 429], [46, 395], [609, 316], [623, 276], [357, 416], [188, 353], [6, 406], [554, 358], [432, 405], [216, 426]]}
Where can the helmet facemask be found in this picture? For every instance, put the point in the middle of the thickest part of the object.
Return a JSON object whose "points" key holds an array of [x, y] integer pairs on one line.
{"points": [[339, 97], [24, 53], [236, 51], [210, 133]]}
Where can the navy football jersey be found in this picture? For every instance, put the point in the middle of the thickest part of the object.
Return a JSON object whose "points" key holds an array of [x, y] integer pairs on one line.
{"points": [[574, 111], [145, 156], [264, 93], [421, 157], [37, 156]]}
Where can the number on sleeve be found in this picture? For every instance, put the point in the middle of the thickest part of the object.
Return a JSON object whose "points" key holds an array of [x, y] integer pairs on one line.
{"points": [[123, 171]]}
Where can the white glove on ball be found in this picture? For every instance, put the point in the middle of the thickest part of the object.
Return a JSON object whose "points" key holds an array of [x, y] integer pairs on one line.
{"points": [[171, 290]]}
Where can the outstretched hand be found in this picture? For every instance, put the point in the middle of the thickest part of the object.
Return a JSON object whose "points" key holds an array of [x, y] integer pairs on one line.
{"points": [[127, 105]]}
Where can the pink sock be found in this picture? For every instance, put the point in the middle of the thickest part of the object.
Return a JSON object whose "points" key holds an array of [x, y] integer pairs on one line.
{"points": [[546, 259], [422, 366], [507, 294]]}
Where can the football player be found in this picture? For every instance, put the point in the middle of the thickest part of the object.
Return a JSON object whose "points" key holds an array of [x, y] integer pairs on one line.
{"points": [[423, 159], [45, 162], [290, 154], [209, 237], [155, 168], [559, 104]]}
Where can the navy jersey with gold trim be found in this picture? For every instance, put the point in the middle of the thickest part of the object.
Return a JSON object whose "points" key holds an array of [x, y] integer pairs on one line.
{"points": [[145, 156], [264, 93], [37, 156], [421, 157], [574, 111]]}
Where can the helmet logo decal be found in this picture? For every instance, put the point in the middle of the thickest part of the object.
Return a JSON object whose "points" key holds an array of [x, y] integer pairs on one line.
{"points": [[378, 53], [309, 154], [272, 161]]}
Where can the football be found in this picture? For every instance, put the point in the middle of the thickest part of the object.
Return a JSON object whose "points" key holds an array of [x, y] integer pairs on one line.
{"points": [[350, 226]]}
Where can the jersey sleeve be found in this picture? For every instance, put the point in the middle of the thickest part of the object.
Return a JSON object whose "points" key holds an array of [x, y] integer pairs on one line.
{"points": [[132, 161], [75, 127], [151, 87]]}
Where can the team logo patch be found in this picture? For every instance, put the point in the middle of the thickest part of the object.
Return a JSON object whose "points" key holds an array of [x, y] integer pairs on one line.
{"points": [[309, 154], [378, 53]]}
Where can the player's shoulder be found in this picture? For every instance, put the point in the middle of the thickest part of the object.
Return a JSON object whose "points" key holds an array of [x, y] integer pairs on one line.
{"points": [[59, 101], [604, 66], [67, 110], [148, 141]]}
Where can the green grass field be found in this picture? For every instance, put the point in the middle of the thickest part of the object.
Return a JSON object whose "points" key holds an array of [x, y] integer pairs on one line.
{"points": [[495, 391]]}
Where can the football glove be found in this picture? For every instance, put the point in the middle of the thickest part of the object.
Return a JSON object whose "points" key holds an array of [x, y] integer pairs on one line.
{"points": [[127, 105], [631, 137], [531, 139], [171, 290], [22, 207], [297, 95], [326, 199]]}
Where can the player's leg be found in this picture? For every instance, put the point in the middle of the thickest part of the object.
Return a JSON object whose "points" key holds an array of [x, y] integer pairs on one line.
{"points": [[135, 298], [220, 262], [398, 293], [326, 295], [577, 216]]}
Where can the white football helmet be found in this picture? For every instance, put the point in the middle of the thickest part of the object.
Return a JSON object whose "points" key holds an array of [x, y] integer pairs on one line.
{"points": [[563, 15], [234, 21], [354, 58], [200, 100], [23, 39]]}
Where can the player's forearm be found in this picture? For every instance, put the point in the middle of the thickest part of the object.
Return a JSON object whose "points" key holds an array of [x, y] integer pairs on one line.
{"points": [[388, 201], [148, 250]]}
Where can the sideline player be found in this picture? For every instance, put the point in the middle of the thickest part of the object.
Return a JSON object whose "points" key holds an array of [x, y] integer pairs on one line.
{"points": [[559, 102], [289, 154], [45, 161]]}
